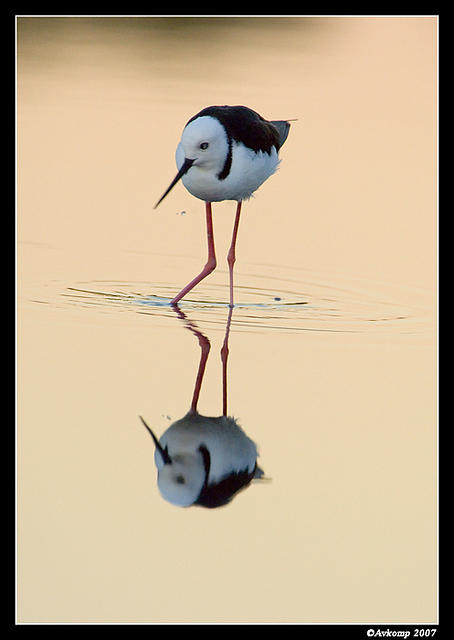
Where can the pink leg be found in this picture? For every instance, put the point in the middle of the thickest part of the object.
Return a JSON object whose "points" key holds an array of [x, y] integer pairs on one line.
{"points": [[224, 357], [231, 255], [211, 262], [205, 351]]}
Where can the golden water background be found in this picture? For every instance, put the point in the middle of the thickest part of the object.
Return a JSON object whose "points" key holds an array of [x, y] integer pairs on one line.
{"points": [[332, 366]]}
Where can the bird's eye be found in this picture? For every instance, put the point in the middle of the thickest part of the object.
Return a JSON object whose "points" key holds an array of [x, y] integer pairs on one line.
{"points": [[180, 479], [204, 145]]}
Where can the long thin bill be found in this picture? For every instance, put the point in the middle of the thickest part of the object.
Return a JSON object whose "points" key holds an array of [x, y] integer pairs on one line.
{"points": [[165, 456], [187, 164]]}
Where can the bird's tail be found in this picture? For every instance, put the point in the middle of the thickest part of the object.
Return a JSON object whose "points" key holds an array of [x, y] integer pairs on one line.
{"points": [[259, 474], [283, 128]]}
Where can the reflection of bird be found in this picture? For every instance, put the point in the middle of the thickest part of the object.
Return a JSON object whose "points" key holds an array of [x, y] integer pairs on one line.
{"points": [[204, 461], [226, 153]]}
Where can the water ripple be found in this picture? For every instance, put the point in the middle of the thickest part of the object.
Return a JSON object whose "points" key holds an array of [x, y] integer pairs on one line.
{"points": [[286, 304]]}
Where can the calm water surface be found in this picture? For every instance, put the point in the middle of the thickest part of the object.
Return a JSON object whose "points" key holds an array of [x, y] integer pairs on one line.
{"points": [[332, 343]]}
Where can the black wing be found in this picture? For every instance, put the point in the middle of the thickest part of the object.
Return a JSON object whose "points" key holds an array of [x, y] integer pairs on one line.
{"points": [[220, 493], [247, 126]]}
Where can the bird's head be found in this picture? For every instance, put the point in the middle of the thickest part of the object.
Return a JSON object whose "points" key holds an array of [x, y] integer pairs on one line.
{"points": [[181, 476], [181, 480], [204, 144], [204, 141]]}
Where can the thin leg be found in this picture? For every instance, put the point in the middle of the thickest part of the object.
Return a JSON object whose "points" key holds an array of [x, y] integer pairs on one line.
{"points": [[231, 257], [211, 262], [205, 351], [224, 358]]}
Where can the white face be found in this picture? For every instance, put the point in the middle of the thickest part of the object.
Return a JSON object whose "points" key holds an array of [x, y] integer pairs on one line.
{"points": [[203, 140], [181, 482]]}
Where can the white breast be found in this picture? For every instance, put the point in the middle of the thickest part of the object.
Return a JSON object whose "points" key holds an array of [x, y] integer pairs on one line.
{"points": [[230, 448], [248, 171]]}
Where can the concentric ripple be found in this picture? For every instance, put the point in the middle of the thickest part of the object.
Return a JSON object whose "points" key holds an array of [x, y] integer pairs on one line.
{"points": [[287, 304]]}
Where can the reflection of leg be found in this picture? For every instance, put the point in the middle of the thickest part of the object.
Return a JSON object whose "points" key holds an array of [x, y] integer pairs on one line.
{"points": [[211, 262], [204, 346], [231, 255], [224, 357]]}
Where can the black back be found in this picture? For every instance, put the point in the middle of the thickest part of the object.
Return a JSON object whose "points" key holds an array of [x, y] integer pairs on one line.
{"points": [[217, 495], [246, 126], [221, 493]]}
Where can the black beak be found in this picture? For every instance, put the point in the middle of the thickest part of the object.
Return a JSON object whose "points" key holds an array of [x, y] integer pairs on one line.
{"points": [[187, 164], [163, 451]]}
